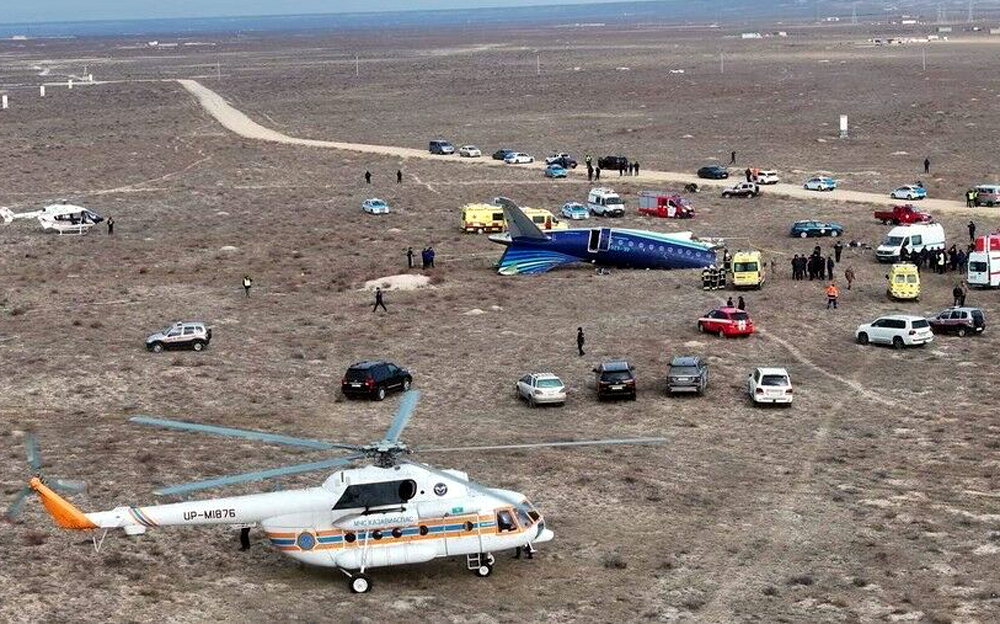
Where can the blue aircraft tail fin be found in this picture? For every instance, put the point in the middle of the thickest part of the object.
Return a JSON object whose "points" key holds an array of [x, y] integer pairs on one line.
{"points": [[518, 223]]}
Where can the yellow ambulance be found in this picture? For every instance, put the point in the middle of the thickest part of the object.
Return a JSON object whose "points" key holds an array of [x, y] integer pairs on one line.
{"points": [[748, 269], [544, 219], [481, 218], [904, 281]]}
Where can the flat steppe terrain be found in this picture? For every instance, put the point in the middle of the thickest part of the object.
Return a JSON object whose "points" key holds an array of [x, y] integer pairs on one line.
{"points": [[874, 498]]}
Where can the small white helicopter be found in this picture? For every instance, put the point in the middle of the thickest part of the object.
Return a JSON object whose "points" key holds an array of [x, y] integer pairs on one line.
{"points": [[391, 512], [62, 218]]}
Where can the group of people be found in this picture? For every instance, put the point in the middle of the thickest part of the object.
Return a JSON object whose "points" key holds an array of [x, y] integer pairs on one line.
{"points": [[971, 196], [740, 303], [399, 176], [713, 278], [937, 260], [426, 257], [625, 168], [815, 265]]}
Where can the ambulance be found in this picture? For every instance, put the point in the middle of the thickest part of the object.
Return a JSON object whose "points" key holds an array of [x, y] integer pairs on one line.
{"points": [[984, 262], [544, 219], [904, 282], [481, 218], [748, 270]]}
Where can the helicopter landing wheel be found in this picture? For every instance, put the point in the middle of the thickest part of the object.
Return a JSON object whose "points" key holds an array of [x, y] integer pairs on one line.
{"points": [[490, 559], [360, 584], [485, 569]]}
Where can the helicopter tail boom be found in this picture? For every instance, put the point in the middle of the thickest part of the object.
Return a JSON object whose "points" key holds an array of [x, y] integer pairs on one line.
{"points": [[65, 514]]}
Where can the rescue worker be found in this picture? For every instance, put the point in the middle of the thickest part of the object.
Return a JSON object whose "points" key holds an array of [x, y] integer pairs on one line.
{"points": [[838, 248], [708, 278], [636, 165], [409, 257], [720, 279], [927, 165], [941, 262], [958, 294], [831, 296], [587, 159], [247, 283], [111, 226], [829, 267], [597, 174], [368, 177], [727, 261], [430, 256], [580, 339], [975, 197], [972, 232], [732, 158], [424, 262], [590, 173], [740, 304], [378, 301], [399, 176], [849, 276], [795, 267], [970, 198]]}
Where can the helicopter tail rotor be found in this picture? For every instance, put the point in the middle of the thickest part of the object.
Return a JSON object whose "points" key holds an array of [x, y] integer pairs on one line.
{"points": [[34, 456]]}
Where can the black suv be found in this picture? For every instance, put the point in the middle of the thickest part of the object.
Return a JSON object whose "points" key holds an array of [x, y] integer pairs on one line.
{"points": [[612, 163], [687, 374], [615, 378], [502, 153], [373, 380]]}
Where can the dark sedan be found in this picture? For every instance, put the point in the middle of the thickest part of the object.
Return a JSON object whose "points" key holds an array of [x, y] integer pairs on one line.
{"points": [[502, 154], [713, 172]]}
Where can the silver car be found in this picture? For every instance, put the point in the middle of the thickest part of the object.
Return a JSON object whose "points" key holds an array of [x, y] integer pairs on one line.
{"points": [[180, 335], [540, 388]]}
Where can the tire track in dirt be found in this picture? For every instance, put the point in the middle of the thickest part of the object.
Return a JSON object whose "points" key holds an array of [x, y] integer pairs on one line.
{"points": [[239, 123]]}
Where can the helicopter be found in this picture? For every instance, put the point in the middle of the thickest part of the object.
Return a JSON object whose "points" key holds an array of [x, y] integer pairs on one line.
{"points": [[62, 218], [392, 511]]}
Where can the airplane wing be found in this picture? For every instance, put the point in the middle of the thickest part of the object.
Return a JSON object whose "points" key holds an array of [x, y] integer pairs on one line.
{"points": [[518, 223]]}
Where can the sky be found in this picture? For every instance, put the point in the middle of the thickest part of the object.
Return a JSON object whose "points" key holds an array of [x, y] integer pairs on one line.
{"points": [[20, 11]]}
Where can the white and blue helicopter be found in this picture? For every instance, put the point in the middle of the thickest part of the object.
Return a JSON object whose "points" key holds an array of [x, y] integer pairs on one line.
{"points": [[392, 511]]}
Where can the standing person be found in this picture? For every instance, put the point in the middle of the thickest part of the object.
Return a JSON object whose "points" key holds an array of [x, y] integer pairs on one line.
{"points": [[580, 339], [399, 176], [940, 261], [368, 177], [245, 538], [927, 165], [597, 174], [378, 300], [111, 226], [409, 257], [423, 258], [727, 261], [430, 255], [247, 283], [740, 304], [972, 232], [587, 159], [729, 302], [849, 276], [795, 267], [970, 197], [590, 172], [748, 174], [962, 260], [831, 296], [829, 267], [838, 248], [636, 165], [904, 254], [732, 158], [708, 277], [958, 295], [621, 168]]}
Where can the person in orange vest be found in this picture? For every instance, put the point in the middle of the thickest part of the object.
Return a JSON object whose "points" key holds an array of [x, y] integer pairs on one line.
{"points": [[831, 296]]}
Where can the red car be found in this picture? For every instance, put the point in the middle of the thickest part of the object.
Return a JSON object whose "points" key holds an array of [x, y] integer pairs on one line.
{"points": [[906, 213], [726, 321]]}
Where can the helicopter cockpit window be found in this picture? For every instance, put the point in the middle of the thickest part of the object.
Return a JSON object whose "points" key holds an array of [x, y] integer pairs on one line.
{"points": [[380, 494], [526, 509], [505, 521]]}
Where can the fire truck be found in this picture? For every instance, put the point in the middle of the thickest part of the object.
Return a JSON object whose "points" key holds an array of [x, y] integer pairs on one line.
{"points": [[664, 205]]}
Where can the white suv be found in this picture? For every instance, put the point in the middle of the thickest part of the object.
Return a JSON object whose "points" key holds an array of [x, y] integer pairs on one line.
{"points": [[898, 330], [770, 385], [540, 388]]}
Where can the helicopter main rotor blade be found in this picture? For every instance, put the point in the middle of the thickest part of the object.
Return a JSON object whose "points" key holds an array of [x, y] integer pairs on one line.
{"points": [[472, 485], [259, 475], [66, 485], [34, 454], [241, 433], [15, 507], [532, 445], [406, 407]]}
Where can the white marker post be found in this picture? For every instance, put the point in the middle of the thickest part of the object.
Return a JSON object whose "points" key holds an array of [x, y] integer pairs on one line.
{"points": [[90, 77], [843, 126], [69, 84], [41, 90], [3, 102]]}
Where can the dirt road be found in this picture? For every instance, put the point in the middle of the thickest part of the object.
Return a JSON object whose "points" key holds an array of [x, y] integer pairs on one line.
{"points": [[239, 123]]}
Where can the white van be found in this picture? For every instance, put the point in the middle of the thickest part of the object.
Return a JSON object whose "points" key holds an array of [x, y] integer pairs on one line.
{"points": [[914, 237], [984, 262], [604, 202]]}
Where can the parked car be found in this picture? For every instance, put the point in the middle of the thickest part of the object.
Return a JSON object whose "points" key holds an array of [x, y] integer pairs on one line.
{"points": [[540, 388], [742, 189], [574, 211], [910, 192], [766, 176], [375, 206], [726, 322], [180, 335], [502, 153], [915, 238], [440, 146], [687, 374], [960, 321], [373, 380], [563, 159], [807, 228], [518, 158], [612, 163], [713, 172], [904, 214], [820, 183], [988, 195], [555, 171], [615, 378], [469, 151], [604, 202], [770, 385], [898, 330]]}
